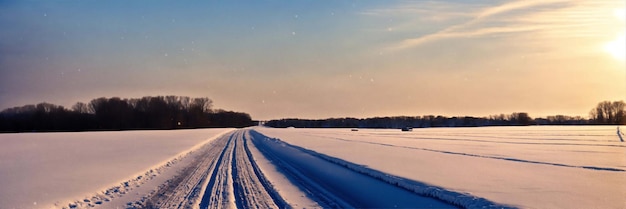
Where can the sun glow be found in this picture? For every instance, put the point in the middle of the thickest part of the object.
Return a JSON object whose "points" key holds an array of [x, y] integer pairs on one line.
{"points": [[617, 47], [619, 14]]}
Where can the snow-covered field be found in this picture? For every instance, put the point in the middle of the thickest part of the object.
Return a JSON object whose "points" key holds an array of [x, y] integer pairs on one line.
{"points": [[528, 167], [489, 167], [39, 170]]}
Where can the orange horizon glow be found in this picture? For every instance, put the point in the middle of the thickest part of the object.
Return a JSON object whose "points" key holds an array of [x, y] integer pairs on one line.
{"points": [[324, 59]]}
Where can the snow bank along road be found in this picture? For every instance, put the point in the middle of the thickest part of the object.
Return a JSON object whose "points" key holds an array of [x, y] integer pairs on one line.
{"points": [[245, 169]]}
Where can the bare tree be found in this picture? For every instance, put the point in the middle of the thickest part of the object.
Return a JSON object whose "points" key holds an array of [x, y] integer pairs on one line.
{"points": [[80, 107], [203, 104], [608, 112]]}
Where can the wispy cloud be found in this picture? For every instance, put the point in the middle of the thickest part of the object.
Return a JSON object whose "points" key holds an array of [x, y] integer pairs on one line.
{"points": [[424, 10], [476, 27]]}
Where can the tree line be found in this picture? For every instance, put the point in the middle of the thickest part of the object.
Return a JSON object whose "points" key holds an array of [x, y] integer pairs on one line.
{"points": [[158, 112], [175, 112], [605, 113]]}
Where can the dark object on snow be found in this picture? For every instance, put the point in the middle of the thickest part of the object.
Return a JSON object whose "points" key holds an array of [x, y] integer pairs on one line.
{"points": [[354, 129], [407, 129]]}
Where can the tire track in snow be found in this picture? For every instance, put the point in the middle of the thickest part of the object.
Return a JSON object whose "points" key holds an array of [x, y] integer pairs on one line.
{"points": [[340, 184], [278, 200], [479, 156], [227, 176], [181, 186], [249, 189], [313, 190], [499, 142], [218, 193], [237, 180], [183, 190]]}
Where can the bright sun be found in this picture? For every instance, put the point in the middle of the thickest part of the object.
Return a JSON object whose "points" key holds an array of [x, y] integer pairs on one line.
{"points": [[619, 14], [617, 46]]}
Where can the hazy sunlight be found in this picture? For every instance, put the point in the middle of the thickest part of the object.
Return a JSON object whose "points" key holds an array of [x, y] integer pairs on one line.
{"points": [[619, 13], [616, 47]]}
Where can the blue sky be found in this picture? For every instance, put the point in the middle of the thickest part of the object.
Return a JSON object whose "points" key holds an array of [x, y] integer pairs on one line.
{"points": [[318, 59]]}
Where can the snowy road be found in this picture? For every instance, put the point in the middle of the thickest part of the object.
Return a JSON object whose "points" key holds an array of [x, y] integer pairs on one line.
{"points": [[227, 175], [224, 175], [237, 181]]}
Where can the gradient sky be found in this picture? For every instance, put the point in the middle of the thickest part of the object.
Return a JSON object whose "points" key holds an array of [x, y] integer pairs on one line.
{"points": [[319, 59]]}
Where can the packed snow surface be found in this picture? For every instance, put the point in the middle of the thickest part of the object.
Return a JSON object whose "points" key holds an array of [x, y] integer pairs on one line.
{"points": [[232, 172], [229, 175], [44, 170], [489, 167], [334, 183], [527, 167]]}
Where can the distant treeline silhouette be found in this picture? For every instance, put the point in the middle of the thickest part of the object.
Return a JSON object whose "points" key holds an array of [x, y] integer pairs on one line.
{"points": [[605, 113], [176, 112], [159, 112]]}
